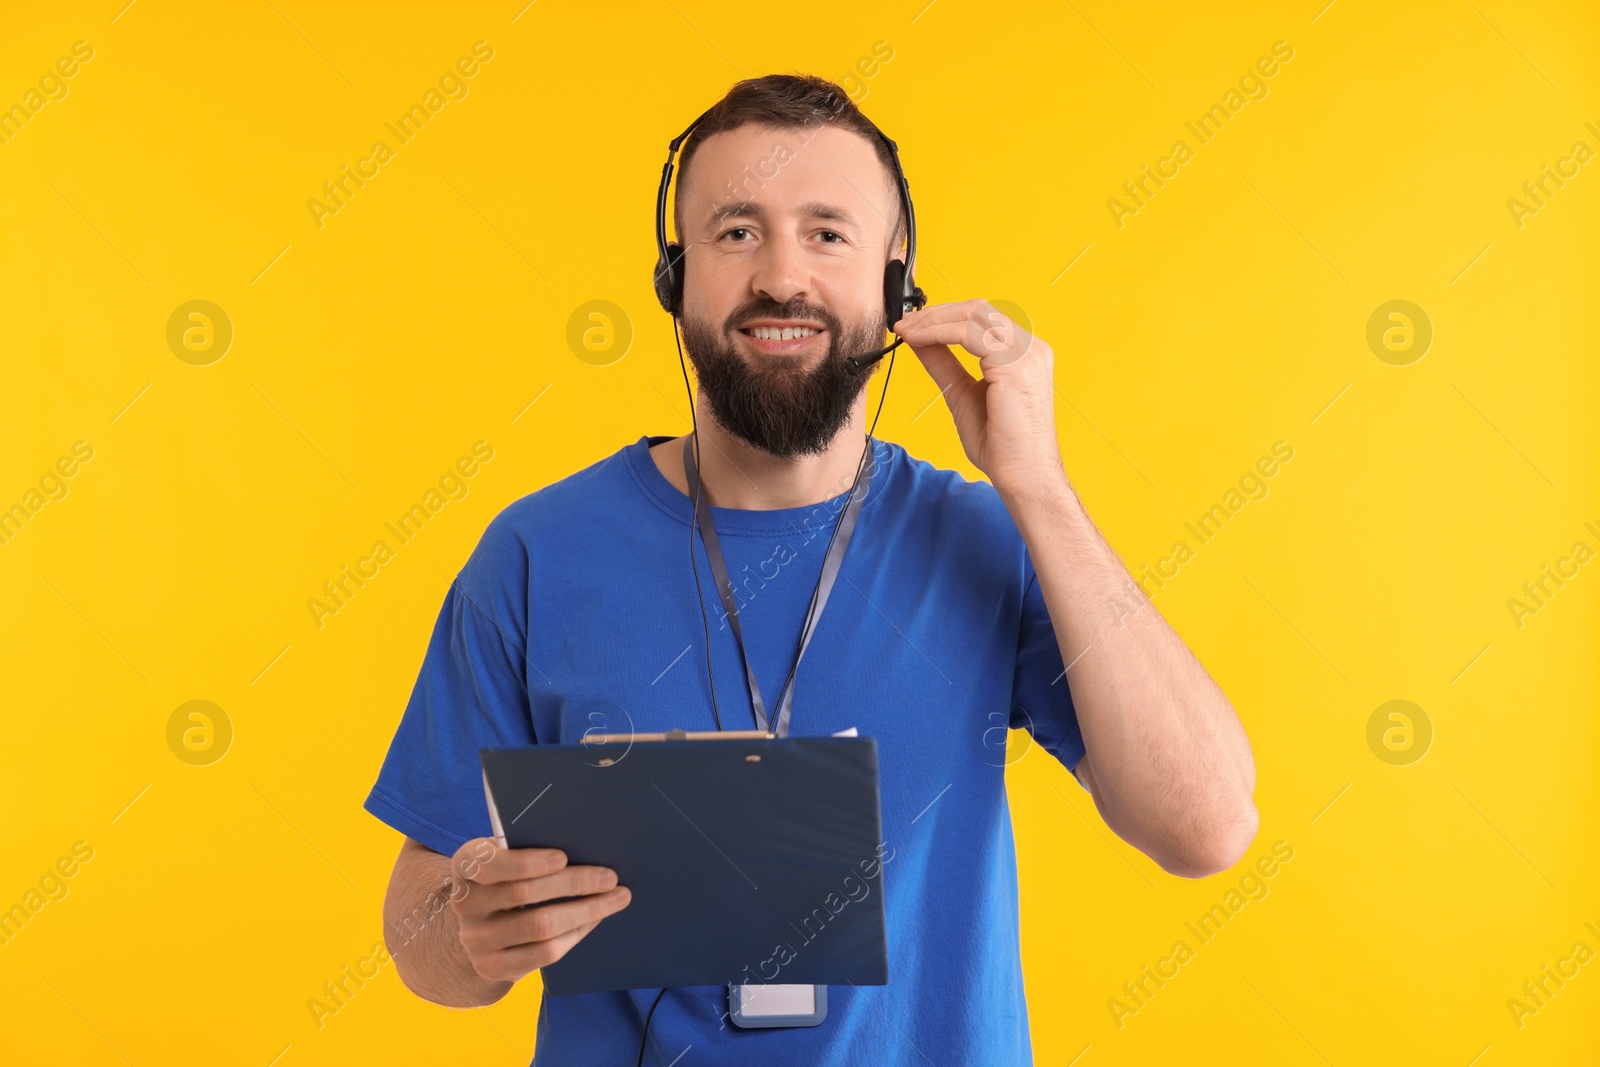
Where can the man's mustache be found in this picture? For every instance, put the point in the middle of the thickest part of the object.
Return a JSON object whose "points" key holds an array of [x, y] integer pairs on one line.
{"points": [[771, 310]]}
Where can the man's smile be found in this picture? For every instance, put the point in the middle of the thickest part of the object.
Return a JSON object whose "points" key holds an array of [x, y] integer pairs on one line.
{"points": [[783, 337]]}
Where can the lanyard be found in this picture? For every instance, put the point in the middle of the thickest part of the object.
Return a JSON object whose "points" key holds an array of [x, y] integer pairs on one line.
{"points": [[819, 596]]}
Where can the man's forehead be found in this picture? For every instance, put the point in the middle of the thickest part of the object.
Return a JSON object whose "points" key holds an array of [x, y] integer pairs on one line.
{"points": [[817, 172]]}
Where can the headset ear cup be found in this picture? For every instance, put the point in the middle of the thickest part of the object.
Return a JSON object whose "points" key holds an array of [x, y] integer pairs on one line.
{"points": [[894, 281], [669, 278]]}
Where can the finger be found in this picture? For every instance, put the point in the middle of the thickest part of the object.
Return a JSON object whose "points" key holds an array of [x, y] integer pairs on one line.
{"points": [[485, 862], [968, 333], [577, 880], [523, 927], [948, 332], [996, 341], [511, 964], [939, 313], [945, 370], [986, 331]]}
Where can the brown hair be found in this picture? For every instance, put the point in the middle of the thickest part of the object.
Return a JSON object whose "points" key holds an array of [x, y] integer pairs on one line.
{"points": [[788, 102]]}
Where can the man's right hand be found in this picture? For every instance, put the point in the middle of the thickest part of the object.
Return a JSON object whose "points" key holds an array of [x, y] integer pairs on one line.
{"points": [[505, 940]]}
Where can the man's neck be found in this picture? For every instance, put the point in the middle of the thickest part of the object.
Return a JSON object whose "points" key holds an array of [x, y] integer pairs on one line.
{"points": [[736, 475]]}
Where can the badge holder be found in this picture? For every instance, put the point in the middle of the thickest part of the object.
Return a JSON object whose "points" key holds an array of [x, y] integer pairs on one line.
{"points": [[762, 1006]]}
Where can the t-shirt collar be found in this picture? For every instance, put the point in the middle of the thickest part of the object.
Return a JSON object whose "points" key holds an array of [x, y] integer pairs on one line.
{"points": [[737, 521]]}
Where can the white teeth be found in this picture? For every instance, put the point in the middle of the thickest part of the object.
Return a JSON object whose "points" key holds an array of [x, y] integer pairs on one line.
{"points": [[788, 333]]}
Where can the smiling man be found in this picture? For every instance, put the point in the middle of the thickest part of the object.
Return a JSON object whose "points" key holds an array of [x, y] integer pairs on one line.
{"points": [[961, 610]]}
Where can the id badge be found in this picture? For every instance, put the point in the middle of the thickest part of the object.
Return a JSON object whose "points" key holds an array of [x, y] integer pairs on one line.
{"points": [[765, 1005]]}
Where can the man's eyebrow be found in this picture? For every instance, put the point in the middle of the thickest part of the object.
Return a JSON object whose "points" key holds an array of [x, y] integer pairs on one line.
{"points": [[816, 209], [736, 210]]}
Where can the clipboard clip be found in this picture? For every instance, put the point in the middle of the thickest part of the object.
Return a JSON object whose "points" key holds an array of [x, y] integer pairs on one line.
{"points": [[678, 735]]}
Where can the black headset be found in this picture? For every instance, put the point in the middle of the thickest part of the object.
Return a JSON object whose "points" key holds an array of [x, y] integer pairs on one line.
{"points": [[901, 296]]}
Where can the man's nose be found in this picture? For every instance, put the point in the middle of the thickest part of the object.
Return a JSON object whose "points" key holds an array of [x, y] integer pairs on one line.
{"points": [[781, 273]]}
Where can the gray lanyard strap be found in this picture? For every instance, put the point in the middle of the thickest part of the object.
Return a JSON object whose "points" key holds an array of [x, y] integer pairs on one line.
{"points": [[819, 597]]}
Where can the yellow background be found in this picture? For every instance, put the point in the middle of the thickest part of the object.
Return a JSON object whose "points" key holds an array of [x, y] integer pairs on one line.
{"points": [[1228, 314]]}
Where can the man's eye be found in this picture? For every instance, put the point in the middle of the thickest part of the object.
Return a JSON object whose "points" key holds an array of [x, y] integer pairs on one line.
{"points": [[736, 229], [830, 233]]}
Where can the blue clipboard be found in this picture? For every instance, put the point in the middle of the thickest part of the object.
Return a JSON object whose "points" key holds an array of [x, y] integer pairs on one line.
{"points": [[751, 859]]}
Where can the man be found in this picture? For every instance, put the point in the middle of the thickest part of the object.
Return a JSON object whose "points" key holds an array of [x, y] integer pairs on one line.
{"points": [[958, 611]]}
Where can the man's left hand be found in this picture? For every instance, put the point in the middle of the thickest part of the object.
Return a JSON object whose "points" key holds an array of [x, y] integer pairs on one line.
{"points": [[1006, 418]]}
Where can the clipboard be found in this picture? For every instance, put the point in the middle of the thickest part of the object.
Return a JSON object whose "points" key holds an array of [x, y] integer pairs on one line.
{"points": [[751, 858]]}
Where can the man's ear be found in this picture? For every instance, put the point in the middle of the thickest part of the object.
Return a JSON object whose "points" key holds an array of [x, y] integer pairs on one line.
{"points": [[898, 249]]}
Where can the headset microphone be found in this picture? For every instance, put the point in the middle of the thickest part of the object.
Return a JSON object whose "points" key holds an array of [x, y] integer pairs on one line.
{"points": [[857, 364]]}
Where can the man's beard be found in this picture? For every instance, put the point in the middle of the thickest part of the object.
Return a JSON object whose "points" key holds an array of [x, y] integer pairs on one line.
{"points": [[775, 406]]}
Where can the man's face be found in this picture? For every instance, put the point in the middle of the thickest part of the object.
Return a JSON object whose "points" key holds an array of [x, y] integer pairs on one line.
{"points": [[785, 231]]}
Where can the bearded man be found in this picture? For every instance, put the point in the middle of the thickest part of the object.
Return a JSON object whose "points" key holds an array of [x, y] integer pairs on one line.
{"points": [[962, 610]]}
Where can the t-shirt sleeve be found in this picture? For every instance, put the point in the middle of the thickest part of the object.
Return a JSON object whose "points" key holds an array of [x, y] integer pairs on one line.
{"points": [[1041, 701], [471, 693]]}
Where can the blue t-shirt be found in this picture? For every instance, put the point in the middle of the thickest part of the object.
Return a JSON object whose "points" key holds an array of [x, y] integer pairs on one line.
{"points": [[577, 612]]}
